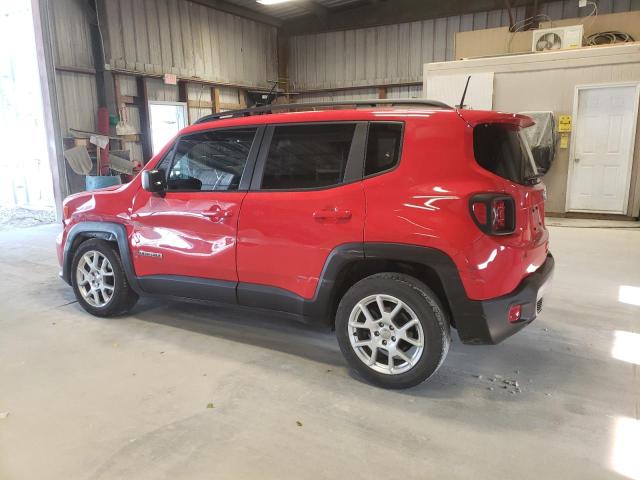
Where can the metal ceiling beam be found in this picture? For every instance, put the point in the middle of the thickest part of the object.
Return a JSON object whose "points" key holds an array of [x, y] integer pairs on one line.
{"points": [[379, 12], [240, 11]]}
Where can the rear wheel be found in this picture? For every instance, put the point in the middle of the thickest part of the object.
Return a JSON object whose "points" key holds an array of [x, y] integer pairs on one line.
{"points": [[393, 330], [99, 281]]}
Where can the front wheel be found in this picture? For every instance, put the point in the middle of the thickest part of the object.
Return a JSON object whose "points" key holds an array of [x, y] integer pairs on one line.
{"points": [[393, 330], [99, 281]]}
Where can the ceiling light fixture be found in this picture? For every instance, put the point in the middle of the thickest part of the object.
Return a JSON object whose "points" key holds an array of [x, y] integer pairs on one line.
{"points": [[272, 2]]}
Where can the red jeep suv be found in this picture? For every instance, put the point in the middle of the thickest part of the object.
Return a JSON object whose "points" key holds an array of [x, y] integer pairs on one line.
{"points": [[391, 221]]}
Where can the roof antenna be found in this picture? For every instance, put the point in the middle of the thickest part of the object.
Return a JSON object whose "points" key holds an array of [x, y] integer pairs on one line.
{"points": [[464, 94]]}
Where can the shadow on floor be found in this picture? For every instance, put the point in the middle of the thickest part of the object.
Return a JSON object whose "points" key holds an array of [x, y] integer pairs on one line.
{"points": [[265, 329], [279, 332]]}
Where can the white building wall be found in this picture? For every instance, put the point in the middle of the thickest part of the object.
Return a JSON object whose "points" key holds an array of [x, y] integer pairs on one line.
{"points": [[547, 82]]}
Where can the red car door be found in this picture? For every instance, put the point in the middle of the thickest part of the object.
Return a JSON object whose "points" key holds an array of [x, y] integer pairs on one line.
{"points": [[190, 231], [305, 200]]}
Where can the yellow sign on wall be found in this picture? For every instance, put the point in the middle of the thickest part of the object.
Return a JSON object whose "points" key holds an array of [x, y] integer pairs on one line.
{"points": [[564, 140], [564, 123]]}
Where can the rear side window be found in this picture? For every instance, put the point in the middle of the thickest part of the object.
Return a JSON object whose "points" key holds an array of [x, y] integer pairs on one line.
{"points": [[502, 150], [211, 161], [307, 156], [383, 147]]}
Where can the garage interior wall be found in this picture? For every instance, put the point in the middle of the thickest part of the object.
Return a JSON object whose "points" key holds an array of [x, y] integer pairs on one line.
{"points": [[197, 42], [148, 38], [203, 46], [74, 66], [341, 64], [189, 40]]}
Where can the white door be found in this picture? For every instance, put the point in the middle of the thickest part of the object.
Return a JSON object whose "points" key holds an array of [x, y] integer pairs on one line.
{"points": [[167, 119], [602, 148]]}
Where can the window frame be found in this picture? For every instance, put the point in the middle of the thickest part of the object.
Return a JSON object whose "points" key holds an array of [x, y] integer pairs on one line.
{"points": [[245, 179], [400, 150], [355, 162]]}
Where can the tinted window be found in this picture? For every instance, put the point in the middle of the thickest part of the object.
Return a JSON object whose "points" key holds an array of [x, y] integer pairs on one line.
{"points": [[501, 150], [211, 161], [383, 147], [307, 156]]}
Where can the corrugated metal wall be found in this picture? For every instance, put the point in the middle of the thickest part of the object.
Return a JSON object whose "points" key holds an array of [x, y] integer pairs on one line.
{"points": [[77, 101], [380, 55], [409, 91], [157, 90], [129, 86], [190, 40], [156, 37], [198, 93], [569, 9], [71, 41], [392, 54], [178, 36]]}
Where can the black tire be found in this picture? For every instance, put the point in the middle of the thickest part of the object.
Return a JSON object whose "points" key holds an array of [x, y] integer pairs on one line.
{"points": [[123, 298], [429, 312]]}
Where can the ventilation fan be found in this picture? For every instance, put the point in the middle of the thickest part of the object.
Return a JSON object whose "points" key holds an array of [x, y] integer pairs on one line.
{"points": [[557, 38], [549, 41]]}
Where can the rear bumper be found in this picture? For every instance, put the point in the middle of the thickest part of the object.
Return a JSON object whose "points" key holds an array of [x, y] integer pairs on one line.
{"points": [[486, 322]]}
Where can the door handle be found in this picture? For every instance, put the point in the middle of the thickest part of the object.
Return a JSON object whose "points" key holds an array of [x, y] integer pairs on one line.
{"points": [[332, 214], [217, 215], [576, 159]]}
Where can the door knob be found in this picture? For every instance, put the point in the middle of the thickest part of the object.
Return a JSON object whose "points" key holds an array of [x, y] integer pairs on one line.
{"points": [[576, 160], [217, 215], [332, 214]]}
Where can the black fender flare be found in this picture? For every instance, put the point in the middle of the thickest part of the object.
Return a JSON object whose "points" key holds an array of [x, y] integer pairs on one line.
{"points": [[107, 231], [467, 314]]}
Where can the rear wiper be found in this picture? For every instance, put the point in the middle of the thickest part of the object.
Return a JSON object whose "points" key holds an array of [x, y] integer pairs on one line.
{"points": [[533, 179]]}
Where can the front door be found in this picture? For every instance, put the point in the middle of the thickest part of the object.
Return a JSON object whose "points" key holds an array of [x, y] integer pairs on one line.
{"points": [[190, 231], [603, 140]]}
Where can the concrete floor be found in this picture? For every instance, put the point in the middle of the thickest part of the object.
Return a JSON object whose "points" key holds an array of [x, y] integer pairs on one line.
{"points": [[125, 398]]}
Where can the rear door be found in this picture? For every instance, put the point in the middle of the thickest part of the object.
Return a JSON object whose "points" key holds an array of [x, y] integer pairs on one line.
{"points": [[306, 198], [190, 231]]}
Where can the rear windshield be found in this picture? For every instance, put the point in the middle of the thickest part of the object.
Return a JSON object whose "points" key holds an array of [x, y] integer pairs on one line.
{"points": [[502, 150]]}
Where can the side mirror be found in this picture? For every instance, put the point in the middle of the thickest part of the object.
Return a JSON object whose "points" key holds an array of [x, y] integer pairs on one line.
{"points": [[154, 181]]}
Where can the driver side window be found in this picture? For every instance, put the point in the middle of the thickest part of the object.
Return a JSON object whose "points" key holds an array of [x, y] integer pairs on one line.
{"points": [[210, 161]]}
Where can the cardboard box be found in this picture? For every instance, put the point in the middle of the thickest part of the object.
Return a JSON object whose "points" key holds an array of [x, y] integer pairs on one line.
{"points": [[499, 41]]}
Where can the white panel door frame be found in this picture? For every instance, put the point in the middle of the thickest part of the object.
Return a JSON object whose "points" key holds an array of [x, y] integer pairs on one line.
{"points": [[576, 99]]}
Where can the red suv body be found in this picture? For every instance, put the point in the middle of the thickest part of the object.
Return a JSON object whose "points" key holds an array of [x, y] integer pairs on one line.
{"points": [[289, 211]]}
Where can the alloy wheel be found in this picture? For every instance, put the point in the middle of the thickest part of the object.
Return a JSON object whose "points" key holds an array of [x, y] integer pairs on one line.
{"points": [[386, 334], [95, 278]]}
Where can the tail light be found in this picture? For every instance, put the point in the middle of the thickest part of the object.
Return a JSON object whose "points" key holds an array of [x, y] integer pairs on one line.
{"points": [[493, 213]]}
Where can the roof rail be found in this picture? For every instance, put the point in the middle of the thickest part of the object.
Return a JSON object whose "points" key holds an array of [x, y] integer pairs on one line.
{"points": [[277, 108]]}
